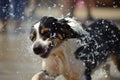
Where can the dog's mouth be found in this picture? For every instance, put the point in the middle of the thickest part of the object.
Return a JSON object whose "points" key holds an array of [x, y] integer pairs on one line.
{"points": [[46, 52], [42, 51]]}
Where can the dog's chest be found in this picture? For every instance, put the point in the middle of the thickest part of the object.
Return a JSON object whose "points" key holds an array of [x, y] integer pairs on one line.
{"points": [[69, 47]]}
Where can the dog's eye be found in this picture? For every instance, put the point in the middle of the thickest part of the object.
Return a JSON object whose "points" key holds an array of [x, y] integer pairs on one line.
{"points": [[46, 35], [33, 35]]}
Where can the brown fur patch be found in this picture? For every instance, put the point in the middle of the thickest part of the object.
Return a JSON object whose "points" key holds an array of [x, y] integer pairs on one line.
{"points": [[115, 60], [64, 69], [32, 35], [60, 36], [44, 30]]}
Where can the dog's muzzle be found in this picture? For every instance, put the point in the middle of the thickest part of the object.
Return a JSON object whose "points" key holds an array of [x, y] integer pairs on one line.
{"points": [[41, 50], [38, 49]]}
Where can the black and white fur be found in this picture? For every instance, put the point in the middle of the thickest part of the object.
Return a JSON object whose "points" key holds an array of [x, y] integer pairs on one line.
{"points": [[69, 50]]}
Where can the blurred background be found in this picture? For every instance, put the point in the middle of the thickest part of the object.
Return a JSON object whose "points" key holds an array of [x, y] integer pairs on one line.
{"points": [[17, 61]]}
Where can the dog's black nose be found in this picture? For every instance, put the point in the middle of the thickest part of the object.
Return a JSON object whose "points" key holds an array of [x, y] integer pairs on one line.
{"points": [[37, 48]]}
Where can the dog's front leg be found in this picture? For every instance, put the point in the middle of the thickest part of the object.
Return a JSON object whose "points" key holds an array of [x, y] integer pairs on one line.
{"points": [[43, 75], [88, 74]]}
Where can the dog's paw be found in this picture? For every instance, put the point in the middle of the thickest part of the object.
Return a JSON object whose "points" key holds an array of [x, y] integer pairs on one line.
{"points": [[43, 75]]}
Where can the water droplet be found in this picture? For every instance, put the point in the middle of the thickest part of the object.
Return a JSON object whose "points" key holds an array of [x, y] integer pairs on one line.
{"points": [[49, 8], [61, 6], [54, 5]]}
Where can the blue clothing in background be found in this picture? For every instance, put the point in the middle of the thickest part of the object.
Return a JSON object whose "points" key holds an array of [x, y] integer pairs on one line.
{"points": [[12, 9], [4, 8]]}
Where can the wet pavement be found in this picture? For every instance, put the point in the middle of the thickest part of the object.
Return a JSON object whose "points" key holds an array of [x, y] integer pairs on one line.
{"points": [[17, 61]]}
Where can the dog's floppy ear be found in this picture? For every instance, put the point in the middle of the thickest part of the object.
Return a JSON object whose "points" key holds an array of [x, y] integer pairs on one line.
{"points": [[43, 19], [48, 21]]}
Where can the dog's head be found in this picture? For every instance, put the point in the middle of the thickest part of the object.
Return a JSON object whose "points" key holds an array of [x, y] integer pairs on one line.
{"points": [[49, 33]]}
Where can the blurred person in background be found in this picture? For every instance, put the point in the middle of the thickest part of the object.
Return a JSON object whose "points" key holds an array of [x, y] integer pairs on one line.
{"points": [[68, 7], [11, 10], [33, 4], [89, 4]]}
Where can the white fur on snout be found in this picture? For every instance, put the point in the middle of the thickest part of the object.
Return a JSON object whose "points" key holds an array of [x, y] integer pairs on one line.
{"points": [[39, 40], [43, 43], [38, 37], [36, 27]]}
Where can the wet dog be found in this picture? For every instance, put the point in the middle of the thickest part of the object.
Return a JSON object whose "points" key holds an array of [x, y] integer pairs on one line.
{"points": [[69, 50]]}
